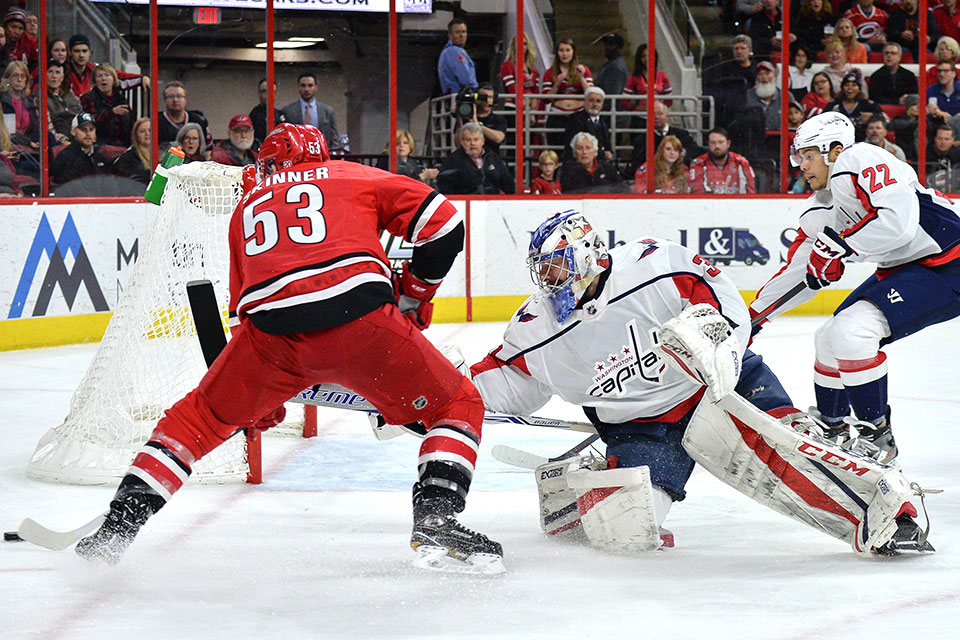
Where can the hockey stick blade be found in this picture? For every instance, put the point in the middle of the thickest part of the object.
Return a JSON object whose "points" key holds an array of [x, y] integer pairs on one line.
{"points": [[517, 457], [35, 533]]}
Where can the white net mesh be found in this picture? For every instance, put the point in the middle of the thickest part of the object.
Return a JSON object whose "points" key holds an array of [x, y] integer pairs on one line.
{"points": [[149, 357]]}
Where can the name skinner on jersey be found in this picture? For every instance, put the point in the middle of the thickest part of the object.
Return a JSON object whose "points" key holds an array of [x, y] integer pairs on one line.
{"points": [[618, 369], [296, 176]]}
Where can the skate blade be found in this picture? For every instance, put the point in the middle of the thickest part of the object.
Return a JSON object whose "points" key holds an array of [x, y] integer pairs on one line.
{"points": [[432, 558]]}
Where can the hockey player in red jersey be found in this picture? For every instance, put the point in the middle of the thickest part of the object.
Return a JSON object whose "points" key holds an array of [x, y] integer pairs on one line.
{"points": [[313, 299]]}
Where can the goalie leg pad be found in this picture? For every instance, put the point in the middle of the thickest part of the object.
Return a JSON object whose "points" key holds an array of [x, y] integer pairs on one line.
{"points": [[847, 496], [559, 514], [618, 511]]}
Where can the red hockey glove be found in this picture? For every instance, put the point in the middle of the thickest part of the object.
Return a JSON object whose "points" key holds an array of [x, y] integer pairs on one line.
{"points": [[413, 296], [825, 265], [249, 177], [272, 419]]}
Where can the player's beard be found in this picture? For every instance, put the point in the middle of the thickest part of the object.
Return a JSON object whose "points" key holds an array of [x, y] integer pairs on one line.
{"points": [[765, 90]]}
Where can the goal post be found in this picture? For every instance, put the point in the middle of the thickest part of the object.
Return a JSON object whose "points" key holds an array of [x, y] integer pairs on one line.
{"points": [[150, 356]]}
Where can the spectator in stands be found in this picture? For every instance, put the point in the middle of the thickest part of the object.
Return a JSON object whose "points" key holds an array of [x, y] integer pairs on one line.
{"points": [[81, 158], [175, 115], [637, 82], [763, 27], [669, 172], [891, 82], [586, 173], [809, 26], [58, 51], [134, 163], [20, 46], [548, 182], [108, 108], [904, 27], [80, 71], [948, 50], [15, 99], [190, 138], [236, 150], [613, 75], [877, 135], [838, 68], [821, 93], [855, 50], [62, 105], [494, 125], [794, 116], [33, 24], [589, 120], [661, 128], [455, 66], [472, 169], [905, 126], [720, 170], [308, 110], [406, 165], [869, 23], [801, 71], [741, 67], [567, 77], [259, 113], [9, 183], [765, 96], [943, 161], [508, 71], [947, 90], [852, 104], [948, 19]]}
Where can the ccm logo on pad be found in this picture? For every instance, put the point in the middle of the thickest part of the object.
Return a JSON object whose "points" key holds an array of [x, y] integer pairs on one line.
{"points": [[830, 457]]}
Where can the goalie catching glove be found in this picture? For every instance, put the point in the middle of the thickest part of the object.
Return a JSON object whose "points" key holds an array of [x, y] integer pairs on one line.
{"points": [[414, 295], [700, 344]]}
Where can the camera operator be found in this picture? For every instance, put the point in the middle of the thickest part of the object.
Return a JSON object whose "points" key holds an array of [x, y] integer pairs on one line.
{"points": [[481, 100]]}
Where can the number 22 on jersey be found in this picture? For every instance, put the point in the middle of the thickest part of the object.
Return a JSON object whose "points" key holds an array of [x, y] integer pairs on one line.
{"points": [[261, 229], [872, 173]]}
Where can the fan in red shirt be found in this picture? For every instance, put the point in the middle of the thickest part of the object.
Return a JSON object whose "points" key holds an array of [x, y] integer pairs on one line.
{"points": [[548, 182], [313, 300]]}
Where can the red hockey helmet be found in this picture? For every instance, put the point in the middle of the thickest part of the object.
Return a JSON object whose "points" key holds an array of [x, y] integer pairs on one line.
{"points": [[291, 144]]}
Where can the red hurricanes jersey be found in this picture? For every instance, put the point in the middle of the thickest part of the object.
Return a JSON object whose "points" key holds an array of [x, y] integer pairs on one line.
{"points": [[305, 249], [734, 176], [865, 25]]}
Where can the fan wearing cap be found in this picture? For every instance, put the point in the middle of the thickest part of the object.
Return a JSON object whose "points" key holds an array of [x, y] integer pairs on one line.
{"points": [[854, 105], [613, 75], [237, 148], [766, 96], [80, 159], [868, 207], [20, 46], [80, 70]]}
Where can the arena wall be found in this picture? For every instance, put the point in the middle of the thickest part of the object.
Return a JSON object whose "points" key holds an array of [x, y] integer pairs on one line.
{"points": [[63, 266]]}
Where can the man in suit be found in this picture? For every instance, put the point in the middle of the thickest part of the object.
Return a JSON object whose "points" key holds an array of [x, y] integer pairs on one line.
{"points": [[661, 128], [309, 110], [589, 120]]}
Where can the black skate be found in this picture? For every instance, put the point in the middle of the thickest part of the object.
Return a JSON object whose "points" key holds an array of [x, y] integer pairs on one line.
{"points": [[908, 537], [127, 514], [442, 543], [877, 440]]}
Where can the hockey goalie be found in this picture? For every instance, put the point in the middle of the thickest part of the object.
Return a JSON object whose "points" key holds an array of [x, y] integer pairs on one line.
{"points": [[648, 339]]}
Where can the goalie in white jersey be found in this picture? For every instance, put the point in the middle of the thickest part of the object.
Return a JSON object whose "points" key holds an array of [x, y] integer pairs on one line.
{"points": [[867, 207]]}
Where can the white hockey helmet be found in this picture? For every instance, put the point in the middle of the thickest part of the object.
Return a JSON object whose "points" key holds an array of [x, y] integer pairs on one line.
{"points": [[566, 240], [822, 131]]}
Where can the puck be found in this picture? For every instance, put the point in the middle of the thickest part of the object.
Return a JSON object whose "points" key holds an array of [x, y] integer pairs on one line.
{"points": [[12, 536]]}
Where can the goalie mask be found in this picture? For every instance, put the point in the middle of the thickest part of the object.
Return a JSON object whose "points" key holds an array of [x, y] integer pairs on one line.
{"points": [[291, 144], [565, 256]]}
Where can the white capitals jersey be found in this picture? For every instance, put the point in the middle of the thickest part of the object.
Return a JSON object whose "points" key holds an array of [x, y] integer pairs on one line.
{"points": [[601, 356], [877, 204]]}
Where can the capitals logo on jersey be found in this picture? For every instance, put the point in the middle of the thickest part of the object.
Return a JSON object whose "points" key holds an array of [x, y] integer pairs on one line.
{"points": [[523, 316], [617, 370]]}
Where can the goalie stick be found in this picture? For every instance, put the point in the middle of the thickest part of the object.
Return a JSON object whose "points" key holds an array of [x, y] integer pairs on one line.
{"points": [[527, 460]]}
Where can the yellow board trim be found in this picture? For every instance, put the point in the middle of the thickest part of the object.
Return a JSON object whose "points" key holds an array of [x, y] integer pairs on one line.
{"points": [[29, 333]]}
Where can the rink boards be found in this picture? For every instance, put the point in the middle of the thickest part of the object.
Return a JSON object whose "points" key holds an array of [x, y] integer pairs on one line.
{"points": [[63, 266]]}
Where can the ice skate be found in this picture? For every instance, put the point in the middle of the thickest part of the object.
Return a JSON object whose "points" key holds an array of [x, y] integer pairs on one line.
{"points": [[876, 440], [908, 537], [108, 543], [442, 543]]}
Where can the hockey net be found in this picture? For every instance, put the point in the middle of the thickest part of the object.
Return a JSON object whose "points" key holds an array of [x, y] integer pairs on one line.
{"points": [[149, 356]]}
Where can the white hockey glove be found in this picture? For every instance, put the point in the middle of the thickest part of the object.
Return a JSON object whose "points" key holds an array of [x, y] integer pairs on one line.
{"points": [[700, 344]]}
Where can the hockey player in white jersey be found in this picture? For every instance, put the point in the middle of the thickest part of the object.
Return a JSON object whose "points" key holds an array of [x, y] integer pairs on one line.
{"points": [[867, 207], [600, 334]]}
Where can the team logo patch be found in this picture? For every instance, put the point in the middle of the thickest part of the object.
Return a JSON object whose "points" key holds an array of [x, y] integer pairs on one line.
{"points": [[523, 316], [420, 403], [650, 247], [630, 364]]}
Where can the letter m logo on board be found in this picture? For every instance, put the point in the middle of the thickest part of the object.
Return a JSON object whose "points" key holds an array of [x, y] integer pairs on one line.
{"points": [[58, 276]]}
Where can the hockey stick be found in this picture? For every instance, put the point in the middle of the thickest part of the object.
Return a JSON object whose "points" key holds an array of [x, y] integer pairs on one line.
{"points": [[784, 299], [35, 533], [526, 460]]}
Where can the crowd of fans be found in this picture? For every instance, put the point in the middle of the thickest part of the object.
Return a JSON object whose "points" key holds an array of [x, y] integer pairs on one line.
{"points": [[93, 130]]}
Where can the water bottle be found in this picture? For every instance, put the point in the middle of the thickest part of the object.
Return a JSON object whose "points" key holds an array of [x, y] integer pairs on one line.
{"points": [[345, 143], [158, 182]]}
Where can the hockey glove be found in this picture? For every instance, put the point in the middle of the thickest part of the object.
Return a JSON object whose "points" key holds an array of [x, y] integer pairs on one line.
{"points": [[414, 295], [825, 265], [271, 420]]}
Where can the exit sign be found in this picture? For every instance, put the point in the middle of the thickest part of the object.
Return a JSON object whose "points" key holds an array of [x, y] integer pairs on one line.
{"points": [[206, 15]]}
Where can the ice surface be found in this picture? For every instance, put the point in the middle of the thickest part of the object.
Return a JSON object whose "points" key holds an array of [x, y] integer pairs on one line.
{"points": [[320, 550]]}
